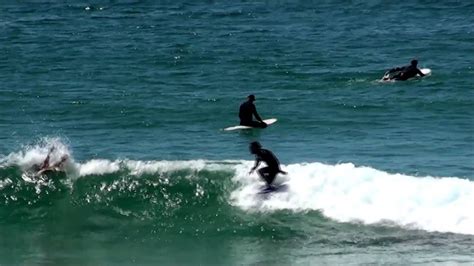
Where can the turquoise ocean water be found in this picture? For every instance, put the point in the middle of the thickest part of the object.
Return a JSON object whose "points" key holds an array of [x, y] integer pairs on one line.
{"points": [[137, 94]]}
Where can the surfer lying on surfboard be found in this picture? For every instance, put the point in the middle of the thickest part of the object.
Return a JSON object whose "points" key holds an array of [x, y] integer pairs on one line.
{"points": [[247, 111], [404, 73], [269, 172], [46, 166]]}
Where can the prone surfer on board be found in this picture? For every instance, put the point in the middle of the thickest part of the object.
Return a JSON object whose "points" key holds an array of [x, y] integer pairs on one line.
{"points": [[247, 111], [405, 72], [269, 172], [46, 166]]}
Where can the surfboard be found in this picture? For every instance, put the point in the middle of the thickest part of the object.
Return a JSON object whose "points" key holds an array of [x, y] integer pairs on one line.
{"points": [[388, 76], [274, 188], [43, 175], [267, 121], [425, 71], [48, 170]]}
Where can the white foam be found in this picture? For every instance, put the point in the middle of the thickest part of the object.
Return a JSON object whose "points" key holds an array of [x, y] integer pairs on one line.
{"points": [[347, 193], [151, 167], [36, 154], [98, 167], [102, 166]]}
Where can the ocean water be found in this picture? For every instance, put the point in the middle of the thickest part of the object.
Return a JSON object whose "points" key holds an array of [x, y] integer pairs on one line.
{"points": [[137, 94]]}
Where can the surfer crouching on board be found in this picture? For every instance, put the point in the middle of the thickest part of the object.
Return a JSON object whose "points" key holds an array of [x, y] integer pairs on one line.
{"points": [[247, 111], [46, 166], [404, 73], [269, 172]]}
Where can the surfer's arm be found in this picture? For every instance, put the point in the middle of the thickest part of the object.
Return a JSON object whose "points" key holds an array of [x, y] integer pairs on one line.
{"points": [[45, 163], [60, 163], [257, 163], [254, 111]]}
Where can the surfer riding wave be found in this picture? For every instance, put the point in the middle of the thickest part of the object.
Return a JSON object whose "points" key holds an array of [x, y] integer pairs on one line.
{"points": [[268, 173]]}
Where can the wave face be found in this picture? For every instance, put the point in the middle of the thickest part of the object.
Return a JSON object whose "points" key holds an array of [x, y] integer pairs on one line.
{"points": [[203, 194]]}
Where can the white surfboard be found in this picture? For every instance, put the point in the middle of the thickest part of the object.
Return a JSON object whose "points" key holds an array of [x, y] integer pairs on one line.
{"points": [[274, 188], [387, 76], [425, 71], [267, 121]]}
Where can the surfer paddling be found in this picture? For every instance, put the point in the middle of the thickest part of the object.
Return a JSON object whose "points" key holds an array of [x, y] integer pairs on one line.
{"points": [[404, 73], [269, 172], [46, 166], [247, 111]]}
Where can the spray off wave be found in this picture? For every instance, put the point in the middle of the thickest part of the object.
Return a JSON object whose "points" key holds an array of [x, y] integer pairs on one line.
{"points": [[342, 192]]}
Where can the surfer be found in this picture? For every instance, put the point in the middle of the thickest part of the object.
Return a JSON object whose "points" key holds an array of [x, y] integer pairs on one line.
{"points": [[269, 172], [46, 166], [247, 111], [405, 72]]}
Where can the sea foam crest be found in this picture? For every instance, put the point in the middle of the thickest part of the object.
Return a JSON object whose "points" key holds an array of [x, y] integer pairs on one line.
{"points": [[97, 167], [132, 167], [347, 193]]}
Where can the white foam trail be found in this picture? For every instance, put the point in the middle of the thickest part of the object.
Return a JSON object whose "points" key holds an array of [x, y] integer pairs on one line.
{"points": [[151, 167], [98, 167], [348, 193]]}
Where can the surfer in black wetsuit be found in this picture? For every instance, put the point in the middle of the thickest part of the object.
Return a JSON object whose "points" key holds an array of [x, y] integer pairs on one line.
{"points": [[269, 172], [247, 111], [405, 72]]}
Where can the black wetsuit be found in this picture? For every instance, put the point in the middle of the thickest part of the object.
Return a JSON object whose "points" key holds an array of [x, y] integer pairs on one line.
{"points": [[246, 112], [269, 172], [406, 72]]}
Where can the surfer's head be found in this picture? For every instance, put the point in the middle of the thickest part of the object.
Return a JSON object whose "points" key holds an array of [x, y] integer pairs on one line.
{"points": [[414, 62], [254, 147], [251, 97]]}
